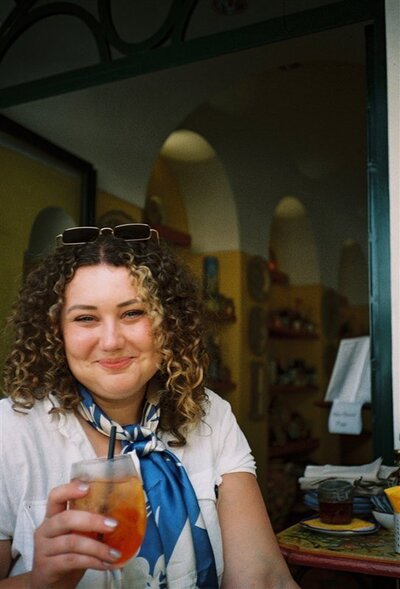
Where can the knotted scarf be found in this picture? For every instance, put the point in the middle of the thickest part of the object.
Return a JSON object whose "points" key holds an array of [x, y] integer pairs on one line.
{"points": [[176, 540]]}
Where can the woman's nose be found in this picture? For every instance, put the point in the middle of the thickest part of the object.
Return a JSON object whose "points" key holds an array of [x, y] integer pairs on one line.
{"points": [[111, 337]]}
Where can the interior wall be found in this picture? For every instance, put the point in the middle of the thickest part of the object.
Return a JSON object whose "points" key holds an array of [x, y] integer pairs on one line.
{"points": [[109, 206], [310, 142], [167, 190], [27, 187], [209, 203], [293, 244]]}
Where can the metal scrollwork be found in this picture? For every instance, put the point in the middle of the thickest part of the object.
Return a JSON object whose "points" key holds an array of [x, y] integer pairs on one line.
{"points": [[117, 57], [168, 44], [27, 13]]}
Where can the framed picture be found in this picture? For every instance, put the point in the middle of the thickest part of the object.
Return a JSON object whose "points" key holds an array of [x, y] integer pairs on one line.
{"points": [[43, 190], [258, 390]]}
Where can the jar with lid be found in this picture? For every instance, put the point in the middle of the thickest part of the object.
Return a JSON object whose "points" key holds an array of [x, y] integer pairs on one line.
{"points": [[335, 501]]}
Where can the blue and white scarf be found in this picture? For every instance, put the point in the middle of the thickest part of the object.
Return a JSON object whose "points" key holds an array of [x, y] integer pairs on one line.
{"points": [[173, 513]]}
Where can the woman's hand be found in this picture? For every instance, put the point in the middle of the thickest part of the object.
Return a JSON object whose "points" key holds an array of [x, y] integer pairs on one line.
{"points": [[61, 555]]}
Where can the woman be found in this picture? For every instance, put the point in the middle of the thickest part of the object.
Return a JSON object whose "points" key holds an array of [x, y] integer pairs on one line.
{"points": [[109, 331]]}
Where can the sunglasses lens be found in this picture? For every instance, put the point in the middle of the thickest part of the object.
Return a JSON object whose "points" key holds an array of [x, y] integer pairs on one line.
{"points": [[132, 231], [127, 232], [80, 235]]}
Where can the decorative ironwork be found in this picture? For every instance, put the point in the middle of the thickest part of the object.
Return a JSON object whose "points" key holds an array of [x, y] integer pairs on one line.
{"points": [[26, 14], [167, 47]]}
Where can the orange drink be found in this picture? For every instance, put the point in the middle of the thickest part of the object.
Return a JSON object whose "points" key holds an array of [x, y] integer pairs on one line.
{"points": [[115, 491]]}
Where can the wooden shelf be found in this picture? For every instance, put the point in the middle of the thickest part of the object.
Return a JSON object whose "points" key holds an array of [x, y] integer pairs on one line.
{"points": [[282, 333], [290, 388], [294, 447], [174, 235]]}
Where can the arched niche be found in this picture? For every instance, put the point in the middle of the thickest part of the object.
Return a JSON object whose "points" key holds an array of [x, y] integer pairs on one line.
{"points": [[292, 242], [192, 186], [48, 223]]}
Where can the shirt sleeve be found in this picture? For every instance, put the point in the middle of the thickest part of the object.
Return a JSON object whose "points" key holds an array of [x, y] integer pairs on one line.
{"points": [[7, 518], [232, 451]]}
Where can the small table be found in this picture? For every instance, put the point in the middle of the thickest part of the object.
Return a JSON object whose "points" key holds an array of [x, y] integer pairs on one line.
{"points": [[369, 554]]}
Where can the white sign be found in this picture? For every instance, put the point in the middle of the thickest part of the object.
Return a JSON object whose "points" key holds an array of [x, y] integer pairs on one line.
{"points": [[345, 418], [351, 375], [350, 386]]}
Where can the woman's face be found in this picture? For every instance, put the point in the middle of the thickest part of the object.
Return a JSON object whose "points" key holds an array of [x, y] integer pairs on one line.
{"points": [[108, 339]]}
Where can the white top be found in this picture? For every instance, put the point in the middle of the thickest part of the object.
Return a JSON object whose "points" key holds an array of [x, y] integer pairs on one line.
{"points": [[37, 450]]}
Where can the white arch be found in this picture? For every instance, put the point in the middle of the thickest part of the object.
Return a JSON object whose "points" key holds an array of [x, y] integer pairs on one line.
{"points": [[293, 243], [204, 184], [48, 223]]}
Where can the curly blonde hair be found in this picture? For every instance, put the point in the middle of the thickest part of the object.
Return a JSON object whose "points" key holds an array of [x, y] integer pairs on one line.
{"points": [[37, 367]]}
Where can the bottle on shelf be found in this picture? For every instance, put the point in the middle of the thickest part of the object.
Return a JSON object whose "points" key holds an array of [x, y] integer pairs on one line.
{"points": [[291, 320], [294, 372]]}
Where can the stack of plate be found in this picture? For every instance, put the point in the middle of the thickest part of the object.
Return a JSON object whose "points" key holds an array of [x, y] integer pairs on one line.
{"points": [[382, 511], [381, 503], [362, 506]]}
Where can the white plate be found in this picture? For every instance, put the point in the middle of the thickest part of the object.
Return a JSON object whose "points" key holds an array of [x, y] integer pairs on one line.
{"points": [[316, 525]]}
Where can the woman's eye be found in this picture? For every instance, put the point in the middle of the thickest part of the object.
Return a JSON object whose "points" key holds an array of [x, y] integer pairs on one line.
{"points": [[134, 313], [84, 318]]}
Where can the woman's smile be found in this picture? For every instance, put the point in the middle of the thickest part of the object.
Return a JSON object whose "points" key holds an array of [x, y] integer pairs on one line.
{"points": [[116, 363]]}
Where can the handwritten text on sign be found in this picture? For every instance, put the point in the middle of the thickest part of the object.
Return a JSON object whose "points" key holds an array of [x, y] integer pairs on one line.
{"points": [[345, 418]]}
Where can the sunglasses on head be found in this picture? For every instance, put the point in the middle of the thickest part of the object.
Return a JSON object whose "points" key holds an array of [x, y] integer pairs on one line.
{"points": [[127, 232]]}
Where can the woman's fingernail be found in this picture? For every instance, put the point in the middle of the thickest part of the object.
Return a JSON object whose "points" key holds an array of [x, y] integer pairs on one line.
{"points": [[115, 553], [111, 523], [83, 487]]}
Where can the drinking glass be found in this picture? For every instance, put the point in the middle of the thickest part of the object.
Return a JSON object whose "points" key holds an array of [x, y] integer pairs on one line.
{"points": [[115, 490]]}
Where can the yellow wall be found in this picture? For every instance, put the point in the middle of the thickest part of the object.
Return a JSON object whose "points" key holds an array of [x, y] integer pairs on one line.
{"points": [[163, 184], [27, 186], [256, 430], [107, 202]]}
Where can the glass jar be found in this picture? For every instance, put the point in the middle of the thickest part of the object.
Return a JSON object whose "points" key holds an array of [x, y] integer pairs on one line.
{"points": [[335, 502]]}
